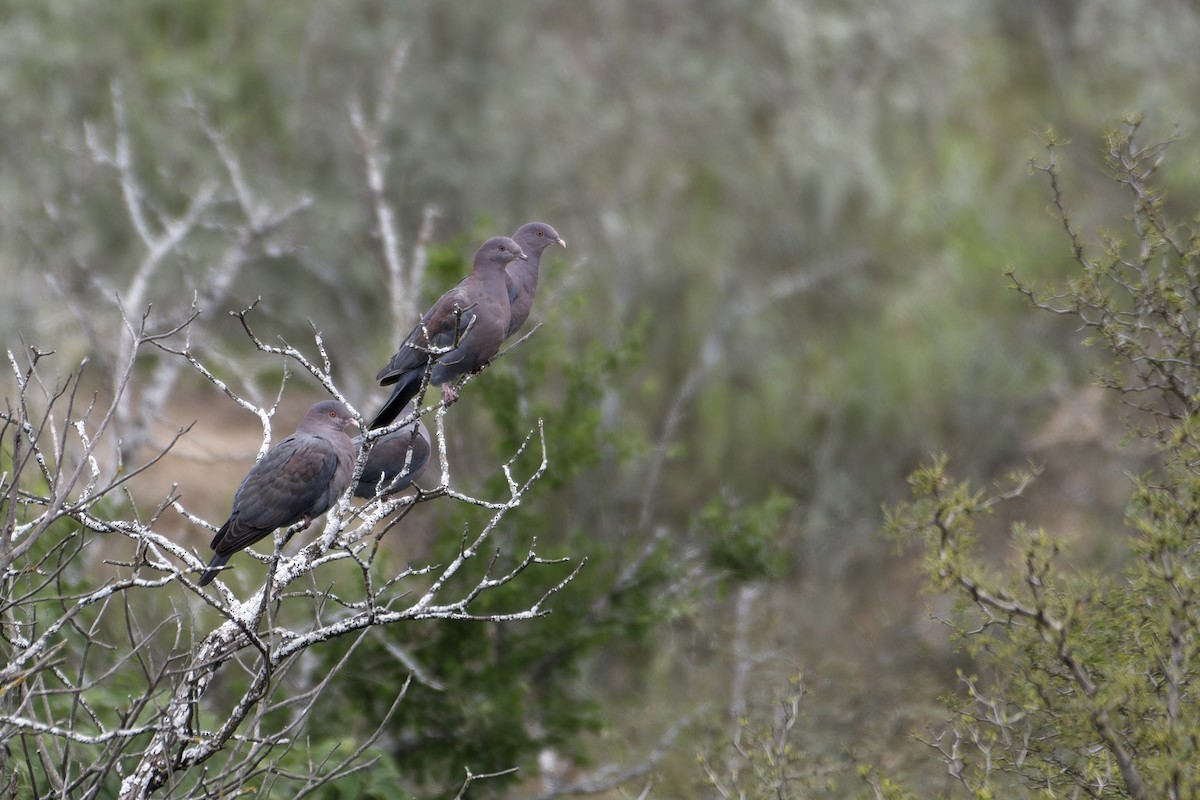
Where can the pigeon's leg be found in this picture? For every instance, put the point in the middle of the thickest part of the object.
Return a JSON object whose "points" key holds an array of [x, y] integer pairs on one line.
{"points": [[449, 394]]}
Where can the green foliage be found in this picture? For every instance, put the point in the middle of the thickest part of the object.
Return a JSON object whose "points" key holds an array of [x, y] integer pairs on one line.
{"points": [[1090, 682], [747, 541]]}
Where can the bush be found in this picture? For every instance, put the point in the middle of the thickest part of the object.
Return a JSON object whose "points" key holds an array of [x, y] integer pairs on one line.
{"points": [[1087, 682]]}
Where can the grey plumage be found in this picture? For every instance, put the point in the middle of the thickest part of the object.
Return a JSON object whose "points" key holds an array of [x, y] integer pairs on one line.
{"points": [[522, 276], [385, 465], [299, 478], [475, 314]]}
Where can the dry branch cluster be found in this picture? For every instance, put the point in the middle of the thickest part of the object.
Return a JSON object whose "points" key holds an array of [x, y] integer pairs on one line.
{"points": [[111, 653]]}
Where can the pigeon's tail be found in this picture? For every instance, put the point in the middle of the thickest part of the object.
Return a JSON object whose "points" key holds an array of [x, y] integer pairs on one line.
{"points": [[406, 389], [213, 568]]}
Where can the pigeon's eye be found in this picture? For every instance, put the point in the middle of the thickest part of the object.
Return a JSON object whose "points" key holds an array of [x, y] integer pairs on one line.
{"points": [[541, 234]]}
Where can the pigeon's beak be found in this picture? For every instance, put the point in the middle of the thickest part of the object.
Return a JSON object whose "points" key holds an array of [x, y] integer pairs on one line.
{"points": [[562, 241], [354, 422], [522, 256]]}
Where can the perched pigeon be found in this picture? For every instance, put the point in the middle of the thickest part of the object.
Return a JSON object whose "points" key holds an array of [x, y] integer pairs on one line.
{"points": [[533, 237], [386, 462], [297, 479], [474, 313]]}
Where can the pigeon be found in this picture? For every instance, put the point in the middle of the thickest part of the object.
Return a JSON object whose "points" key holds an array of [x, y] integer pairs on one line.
{"points": [[533, 237], [385, 465], [472, 318], [299, 478]]}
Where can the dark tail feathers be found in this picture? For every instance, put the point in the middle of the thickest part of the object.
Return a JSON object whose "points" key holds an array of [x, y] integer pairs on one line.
{"points": [[406, 389], [213, 568]]}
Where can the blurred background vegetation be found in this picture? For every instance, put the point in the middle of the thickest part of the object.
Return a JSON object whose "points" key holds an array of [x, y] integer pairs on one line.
{"points": [[787, 226]]}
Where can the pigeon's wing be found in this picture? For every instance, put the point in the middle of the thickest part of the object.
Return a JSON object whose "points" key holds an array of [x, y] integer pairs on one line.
{"points": [[285, 484]]}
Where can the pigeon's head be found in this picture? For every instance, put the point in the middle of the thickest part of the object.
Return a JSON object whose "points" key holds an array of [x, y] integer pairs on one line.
{"points": [[499, 250], [328, 414], [534, 237]]}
